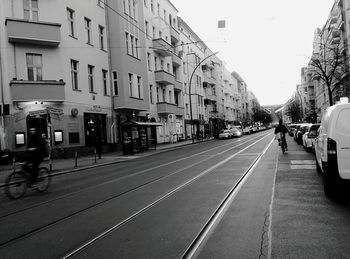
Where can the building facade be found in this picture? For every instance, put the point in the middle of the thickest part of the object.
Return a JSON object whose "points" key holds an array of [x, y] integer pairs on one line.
{"points": [[81, 70], [54, 72]]}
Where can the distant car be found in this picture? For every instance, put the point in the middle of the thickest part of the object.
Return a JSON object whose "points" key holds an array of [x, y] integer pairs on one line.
{"points": [[236, 133], [309, 136], [225, 134], [247, 130], [332, 147]]}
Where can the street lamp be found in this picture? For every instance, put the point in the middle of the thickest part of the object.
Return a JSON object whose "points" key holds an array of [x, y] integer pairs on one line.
{"points": [[189, 92]]}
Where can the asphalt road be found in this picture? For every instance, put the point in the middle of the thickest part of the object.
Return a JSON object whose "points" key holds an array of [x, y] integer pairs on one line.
{"points": [[237, 198]]}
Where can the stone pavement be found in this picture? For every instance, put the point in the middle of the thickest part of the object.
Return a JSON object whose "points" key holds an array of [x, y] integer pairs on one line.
{"points": [[62, 166]]}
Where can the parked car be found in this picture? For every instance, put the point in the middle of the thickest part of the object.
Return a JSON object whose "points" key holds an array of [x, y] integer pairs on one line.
{"points": [[291, 129], [247, 130], [235, 132], [301, 131], [309, 136], [332, 147], [225, 134]]}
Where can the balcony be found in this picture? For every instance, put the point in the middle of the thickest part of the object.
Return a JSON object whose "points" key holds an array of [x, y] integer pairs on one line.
{"points": [[177, 61], [162, 47], [37, 33], [175, 35], [180, 111], [46, 90], [167, 108], [165, 78], [336, 33], [178, 85]]}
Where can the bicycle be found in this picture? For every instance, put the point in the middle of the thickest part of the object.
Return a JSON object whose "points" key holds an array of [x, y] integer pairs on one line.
{"points": [[279, 137], [17, 182]]}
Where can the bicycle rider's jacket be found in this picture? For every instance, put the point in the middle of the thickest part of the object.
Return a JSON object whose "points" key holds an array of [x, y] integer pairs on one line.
{"points": [[281, 128]]}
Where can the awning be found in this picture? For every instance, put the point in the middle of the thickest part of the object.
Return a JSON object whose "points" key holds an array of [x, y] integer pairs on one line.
{"points": [[139, 123]]}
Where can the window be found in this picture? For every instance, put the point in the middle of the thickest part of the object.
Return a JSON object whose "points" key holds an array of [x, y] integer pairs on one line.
{"points": [[132, 45], [74, 73], [162, 64], [160, 35], [115, 83], [155, 64], [158, 9], [127, 42], [151, 93], [87, 22], [153, 32], [152, 6], [34, 67], [165, 16], [163, 91], [139, 86], [71, 22], [145, 3], [137, 47], [101, 31], [91, 78], [187, 110], [134, 9], [149, 61], [31, 10], [129, 6], [130, 84], [104, 81], [146, 27], [170, 97], [157, 94]]}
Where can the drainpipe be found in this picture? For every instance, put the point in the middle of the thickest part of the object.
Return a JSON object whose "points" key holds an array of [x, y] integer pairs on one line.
{"points": [[2, 120], [113, 134]]}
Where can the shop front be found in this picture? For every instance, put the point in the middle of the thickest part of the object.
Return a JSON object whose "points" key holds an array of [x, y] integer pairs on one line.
{"points": [[138, 136]]}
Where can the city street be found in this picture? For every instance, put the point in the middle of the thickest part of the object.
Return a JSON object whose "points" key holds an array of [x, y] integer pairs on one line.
{"points": [[237, 198]]}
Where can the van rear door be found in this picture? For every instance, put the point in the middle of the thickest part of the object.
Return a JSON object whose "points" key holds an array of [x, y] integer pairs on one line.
{"points": [[342, 137]]}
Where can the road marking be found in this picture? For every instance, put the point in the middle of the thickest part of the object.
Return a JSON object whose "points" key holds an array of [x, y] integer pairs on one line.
{"points": [[302, 162], [249, 154], [294, 167]]}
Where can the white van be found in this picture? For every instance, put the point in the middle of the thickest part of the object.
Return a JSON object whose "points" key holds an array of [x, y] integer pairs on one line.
{"points": [[332, 146]]}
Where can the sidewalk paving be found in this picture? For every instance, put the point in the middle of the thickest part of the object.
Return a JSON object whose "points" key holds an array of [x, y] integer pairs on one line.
{"points": [[63, 166]]}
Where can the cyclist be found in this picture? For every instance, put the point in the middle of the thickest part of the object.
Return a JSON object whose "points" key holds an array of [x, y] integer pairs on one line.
{"points": [[37, 151], [283, 129]]}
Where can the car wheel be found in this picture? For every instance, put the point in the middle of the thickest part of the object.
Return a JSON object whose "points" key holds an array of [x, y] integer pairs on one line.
{"points": [[318, 168], [329, 183]]}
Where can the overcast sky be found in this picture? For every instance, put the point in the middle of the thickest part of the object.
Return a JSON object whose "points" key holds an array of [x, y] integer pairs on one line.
{"points": [[266, 42]]}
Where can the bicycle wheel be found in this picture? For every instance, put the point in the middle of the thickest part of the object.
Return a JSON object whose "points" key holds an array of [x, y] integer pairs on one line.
{"points": [[282, 147], [16, 185], [44, 180]]}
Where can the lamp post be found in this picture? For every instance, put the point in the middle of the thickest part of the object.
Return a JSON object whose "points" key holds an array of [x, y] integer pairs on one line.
{"points": [[189, 92]]}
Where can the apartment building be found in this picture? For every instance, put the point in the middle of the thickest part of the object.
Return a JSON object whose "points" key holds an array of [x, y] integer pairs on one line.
{"points": [[128, 61], [244, 114], [54, 72], [164, 63]]}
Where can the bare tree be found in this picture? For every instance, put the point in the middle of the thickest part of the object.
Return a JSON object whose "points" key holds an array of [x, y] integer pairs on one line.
{"points": [[331, 62], [293, 110]]}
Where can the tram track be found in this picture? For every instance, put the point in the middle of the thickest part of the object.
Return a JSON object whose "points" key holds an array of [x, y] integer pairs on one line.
{"points": [[135, 174], [81, 248], [134, 189]]}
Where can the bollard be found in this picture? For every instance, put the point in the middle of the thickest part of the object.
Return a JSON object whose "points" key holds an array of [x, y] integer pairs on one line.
{"points": [[76, 159], [95, 155], [14, 164]]}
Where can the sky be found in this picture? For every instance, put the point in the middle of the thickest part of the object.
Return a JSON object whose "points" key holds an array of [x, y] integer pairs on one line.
{"points": [[266, 42]]}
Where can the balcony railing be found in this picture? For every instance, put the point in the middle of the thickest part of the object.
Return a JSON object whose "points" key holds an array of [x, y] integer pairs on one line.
{"points": [[178, 85], [175, 35], [165, 78], [29, 32], [176, 60], [167, 108], [46, 90], [162, 47]]}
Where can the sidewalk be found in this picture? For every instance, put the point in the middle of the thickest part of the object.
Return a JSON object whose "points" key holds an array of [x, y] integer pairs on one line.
{"points": [[63, 166]]}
